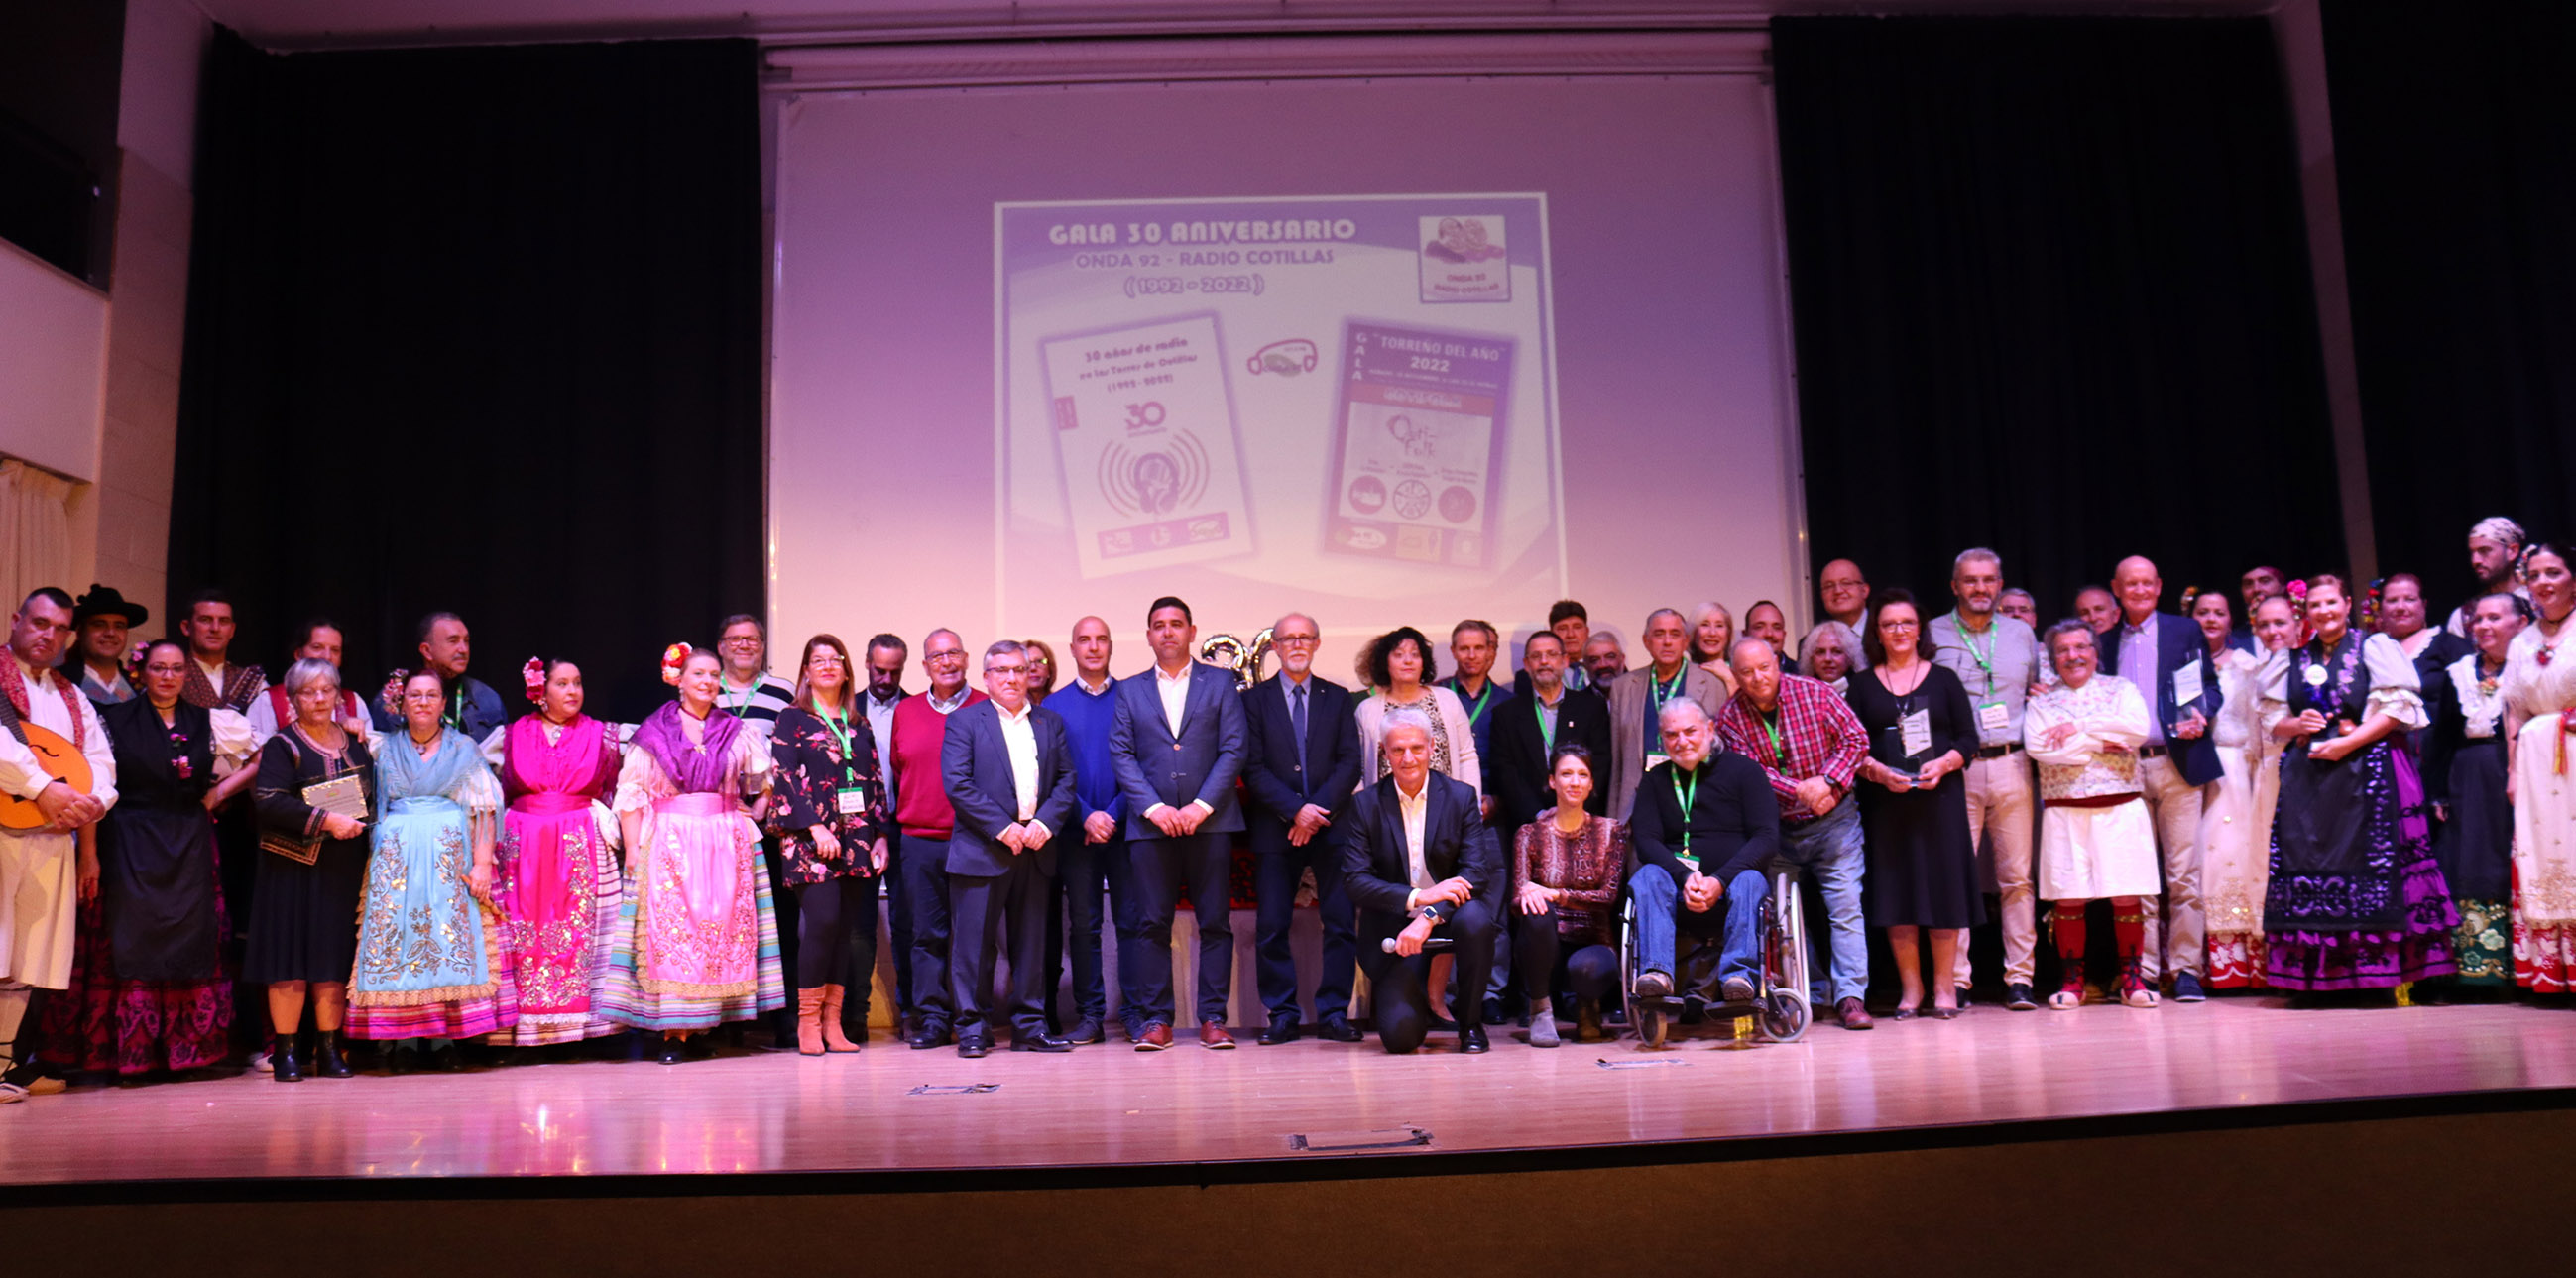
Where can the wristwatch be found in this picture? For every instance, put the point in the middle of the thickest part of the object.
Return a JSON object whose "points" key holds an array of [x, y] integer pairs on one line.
{"points": [[1431, 914]]}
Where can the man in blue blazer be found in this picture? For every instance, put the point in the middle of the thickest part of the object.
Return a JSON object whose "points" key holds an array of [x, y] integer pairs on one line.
{"points": [[1009, 774], [2164, 654], [1178, 745], [1303, 763], [1422, 864]]}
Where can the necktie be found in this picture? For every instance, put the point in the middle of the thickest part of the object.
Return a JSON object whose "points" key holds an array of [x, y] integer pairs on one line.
{"points": [[1297, 726]]}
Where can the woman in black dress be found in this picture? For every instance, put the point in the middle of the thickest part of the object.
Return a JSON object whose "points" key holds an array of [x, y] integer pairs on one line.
{"points": [[312, 868], [151, 993], [1922, 864], [2464, 780]]}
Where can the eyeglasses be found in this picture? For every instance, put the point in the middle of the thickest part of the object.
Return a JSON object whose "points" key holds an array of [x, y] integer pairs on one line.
{"points": [[945, 654], [1005, 670], [1282, 641], [1900, 625], [739, 641]]}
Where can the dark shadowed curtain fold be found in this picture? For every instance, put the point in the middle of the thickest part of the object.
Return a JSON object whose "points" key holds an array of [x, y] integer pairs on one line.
{"points": [[2052, 296], [478, 329], [2455, 149]]}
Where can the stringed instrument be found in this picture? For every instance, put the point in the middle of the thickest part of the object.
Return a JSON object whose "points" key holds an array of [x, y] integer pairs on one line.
{"points": [[60, 759]]}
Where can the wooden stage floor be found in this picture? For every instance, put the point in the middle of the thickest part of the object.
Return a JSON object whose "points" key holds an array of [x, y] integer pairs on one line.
{"points": [[1110, 1106]]}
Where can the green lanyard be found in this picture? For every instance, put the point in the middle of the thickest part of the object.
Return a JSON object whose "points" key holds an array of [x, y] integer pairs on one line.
{"points": [[1779, 745], [1476, 708], [457, 716], [1985, 660], [1685, 792], [1662, 693], [835, 725], [1546, 722], [744, 701]]}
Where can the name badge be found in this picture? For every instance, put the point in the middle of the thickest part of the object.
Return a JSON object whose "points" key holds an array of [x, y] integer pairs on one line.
{"points": [[1655, 760], [1916, 730], [1993, 717], [1687, 859], [853, 801], [2187, 685]]}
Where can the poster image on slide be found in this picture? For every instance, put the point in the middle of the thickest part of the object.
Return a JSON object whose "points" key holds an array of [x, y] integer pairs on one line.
{"points": [[1144, 426], [1418, 447]]}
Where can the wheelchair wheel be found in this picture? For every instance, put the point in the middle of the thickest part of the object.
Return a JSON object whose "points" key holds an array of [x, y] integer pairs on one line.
{"points": [[1652, 1024], [1785, 1015]]}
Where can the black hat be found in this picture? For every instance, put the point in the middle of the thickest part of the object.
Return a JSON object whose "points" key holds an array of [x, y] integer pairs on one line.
{"points": [[102, 600]]}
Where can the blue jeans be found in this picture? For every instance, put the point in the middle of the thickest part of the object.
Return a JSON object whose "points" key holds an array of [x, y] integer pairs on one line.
{"points": [[1658, 900], [1828, 850]]}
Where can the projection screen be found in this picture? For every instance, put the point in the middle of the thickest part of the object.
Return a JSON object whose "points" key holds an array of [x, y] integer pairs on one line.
{"points": [[1388, 350]]}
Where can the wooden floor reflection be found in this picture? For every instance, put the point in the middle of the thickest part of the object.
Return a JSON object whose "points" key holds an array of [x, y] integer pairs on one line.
{"points": [[1109, 1105]]}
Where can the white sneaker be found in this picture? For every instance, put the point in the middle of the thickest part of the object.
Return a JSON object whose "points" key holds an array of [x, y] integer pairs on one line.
{"points": [[11, 1093]]}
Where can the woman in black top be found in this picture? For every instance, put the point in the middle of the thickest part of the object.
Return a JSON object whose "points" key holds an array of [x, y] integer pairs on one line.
{"points": [[312, 868], [1922, 864]]}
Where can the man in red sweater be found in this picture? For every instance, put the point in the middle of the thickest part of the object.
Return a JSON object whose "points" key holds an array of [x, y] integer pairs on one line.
{"points": [[921, 809]]}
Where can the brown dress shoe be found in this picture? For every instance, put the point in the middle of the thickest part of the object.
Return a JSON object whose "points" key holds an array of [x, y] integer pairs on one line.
{"points": [[1855, 1016], [1213, 1035], [1156, 1038]]}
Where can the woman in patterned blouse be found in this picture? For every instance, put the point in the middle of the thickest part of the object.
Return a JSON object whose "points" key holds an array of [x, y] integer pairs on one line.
{"points": [[1565, 883]]}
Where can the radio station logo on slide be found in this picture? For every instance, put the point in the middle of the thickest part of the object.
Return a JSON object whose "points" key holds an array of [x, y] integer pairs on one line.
{"points": [[1465, 259]]}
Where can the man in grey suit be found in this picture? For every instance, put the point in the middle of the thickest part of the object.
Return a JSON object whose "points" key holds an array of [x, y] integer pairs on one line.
{"points": [[1178, 744], [1639, 696], [1009, 774]]}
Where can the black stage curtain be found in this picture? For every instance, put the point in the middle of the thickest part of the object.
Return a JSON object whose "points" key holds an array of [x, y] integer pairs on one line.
{"points": [[2455, 148], [478, 330], [2052, 296]]}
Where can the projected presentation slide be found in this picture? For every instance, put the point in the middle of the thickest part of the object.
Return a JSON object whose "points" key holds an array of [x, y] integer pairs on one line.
{"points": [[1351, 389]]}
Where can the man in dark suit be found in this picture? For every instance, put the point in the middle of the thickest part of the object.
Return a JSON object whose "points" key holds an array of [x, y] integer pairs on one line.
{"points": [[1528, 729], [1178, 745], [1009, 774], [2166, 657], [1420, 862], [1302, 762]]}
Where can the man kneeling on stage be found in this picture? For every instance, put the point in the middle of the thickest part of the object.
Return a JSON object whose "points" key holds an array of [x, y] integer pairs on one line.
{"points": [[1420, 863], [1704, 826]]}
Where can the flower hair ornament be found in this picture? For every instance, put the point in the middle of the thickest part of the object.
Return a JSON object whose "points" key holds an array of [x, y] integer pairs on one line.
{"points": [[533, 674], [674, 658]]}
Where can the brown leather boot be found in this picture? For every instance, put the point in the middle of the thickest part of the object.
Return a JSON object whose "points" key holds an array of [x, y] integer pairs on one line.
{"points": [[833, 1039], [809, 1021]]}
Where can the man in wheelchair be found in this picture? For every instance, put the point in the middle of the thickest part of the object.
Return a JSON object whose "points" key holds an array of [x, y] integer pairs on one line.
{"points": [[1704, 827]]}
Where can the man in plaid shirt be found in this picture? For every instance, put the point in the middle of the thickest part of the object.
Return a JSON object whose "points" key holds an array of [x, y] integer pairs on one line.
{"points": [[1809, 744]]}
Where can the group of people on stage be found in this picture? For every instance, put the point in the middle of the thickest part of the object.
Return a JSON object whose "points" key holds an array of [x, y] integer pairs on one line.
{"points": [[2298, 785]]}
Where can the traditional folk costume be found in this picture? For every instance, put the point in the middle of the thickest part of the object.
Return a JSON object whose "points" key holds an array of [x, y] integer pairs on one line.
{"points": [[430, 960], [697, 938], [2464, 772], [2540, 685], [152, 990], [2236, 820], [2095, 838], [39, 872], [2355, 900], [555, 879]]}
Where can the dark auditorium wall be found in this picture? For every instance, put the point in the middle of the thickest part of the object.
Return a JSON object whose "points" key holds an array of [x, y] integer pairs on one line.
{"points": [[2051, 294], [477, 329], [2455, 149]]}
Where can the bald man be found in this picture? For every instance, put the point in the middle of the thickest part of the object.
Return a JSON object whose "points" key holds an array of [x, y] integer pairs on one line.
{"points": [[1301, 763], [1845, 593], [2165, 656], [1091, 858]]}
